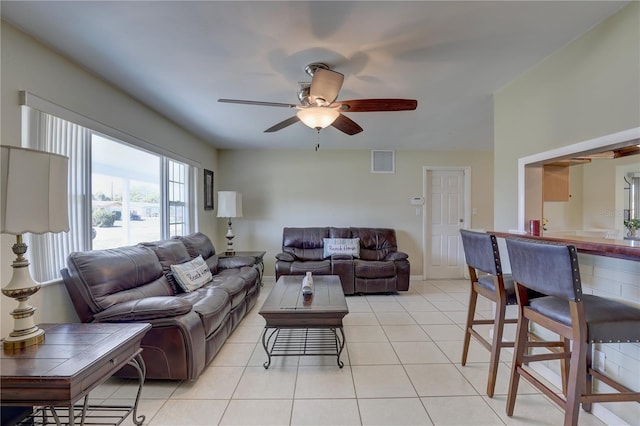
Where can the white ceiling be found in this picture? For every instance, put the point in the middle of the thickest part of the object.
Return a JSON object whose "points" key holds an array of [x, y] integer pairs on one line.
{"points": [[180, 57]]}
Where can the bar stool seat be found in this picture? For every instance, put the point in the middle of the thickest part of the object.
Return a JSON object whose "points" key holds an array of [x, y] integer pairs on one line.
{"points": [[607, 321], [553, 270], [487, 282]]}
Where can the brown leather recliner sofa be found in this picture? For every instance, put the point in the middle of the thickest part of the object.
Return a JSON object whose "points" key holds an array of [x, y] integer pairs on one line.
{"points": [[137, 284], [378, 268]]}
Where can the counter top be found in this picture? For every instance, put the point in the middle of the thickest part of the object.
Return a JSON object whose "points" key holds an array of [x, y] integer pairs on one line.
{"points": [[622, 249]]}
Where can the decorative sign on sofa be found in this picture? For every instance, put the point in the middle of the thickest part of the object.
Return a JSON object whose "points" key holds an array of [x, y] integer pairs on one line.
{"points": [[192, 275], [349, 246]]}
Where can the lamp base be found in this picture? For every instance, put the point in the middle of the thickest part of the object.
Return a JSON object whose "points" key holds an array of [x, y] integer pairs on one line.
{"points": [[230, 236], [25, 333], [13, 343]]}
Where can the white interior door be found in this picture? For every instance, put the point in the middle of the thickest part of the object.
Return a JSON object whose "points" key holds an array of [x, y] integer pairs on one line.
{"points": [[444, 216]]}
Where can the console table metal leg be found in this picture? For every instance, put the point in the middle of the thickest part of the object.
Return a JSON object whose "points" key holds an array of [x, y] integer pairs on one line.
{"points": [[83, 413], [55, 415], [138, 364], [71, 420]]}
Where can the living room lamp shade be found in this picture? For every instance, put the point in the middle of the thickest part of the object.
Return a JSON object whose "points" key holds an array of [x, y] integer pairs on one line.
{"points": [[318, 117], [229, 206], [34, 199]]}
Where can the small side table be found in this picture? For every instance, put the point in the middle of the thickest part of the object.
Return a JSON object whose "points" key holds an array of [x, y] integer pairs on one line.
{"points": [[72, 361], [258, 258]]}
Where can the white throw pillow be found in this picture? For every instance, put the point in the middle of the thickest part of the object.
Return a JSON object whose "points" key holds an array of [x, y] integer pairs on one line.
{"points": [[193, 274], [349, 246]]}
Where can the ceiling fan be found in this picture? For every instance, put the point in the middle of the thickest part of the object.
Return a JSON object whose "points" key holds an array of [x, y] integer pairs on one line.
{"points": [[318, 107]]}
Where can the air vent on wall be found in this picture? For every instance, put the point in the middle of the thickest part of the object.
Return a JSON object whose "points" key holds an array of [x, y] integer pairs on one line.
{"points": [[383, 161]]}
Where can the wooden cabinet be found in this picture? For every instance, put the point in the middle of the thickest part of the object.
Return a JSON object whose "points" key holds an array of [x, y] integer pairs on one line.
{"points": [[555, 184]]}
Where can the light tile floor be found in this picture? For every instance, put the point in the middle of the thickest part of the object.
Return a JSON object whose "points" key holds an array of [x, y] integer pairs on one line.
{"points": [[402, 367]]}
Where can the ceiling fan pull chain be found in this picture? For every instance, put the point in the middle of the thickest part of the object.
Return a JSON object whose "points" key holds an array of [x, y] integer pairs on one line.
{"points": [[318, 137]]}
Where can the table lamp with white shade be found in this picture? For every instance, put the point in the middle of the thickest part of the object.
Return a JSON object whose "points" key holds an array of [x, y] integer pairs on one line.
{"points": [[229, 206], [34, 199]]}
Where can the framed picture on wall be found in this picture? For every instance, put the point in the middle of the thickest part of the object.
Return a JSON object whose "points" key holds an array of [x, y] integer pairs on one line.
{"points": [[208, 189]]}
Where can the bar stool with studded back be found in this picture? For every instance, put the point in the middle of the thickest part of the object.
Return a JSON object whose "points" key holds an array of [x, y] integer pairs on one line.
{"points": [[482, 256], [485, 273], [553, 270]]}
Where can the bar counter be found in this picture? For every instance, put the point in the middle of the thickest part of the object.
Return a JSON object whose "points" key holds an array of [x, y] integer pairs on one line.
{"points": [[621, 249]]}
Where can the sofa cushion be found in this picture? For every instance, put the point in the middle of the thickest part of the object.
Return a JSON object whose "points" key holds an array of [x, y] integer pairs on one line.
{"points": [[321, 267], [374, 269], [111, 276], [350, 246], [170, 252], [304, 243], [339, 232], [212, 306], [198, 244], [375, 243], [249, 275], [230, 281], [213, 263], [193, 274], [145, 309]]}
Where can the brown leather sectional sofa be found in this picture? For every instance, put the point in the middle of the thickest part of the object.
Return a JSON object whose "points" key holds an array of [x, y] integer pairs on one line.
{"points": [[136, 284], [379, 267]]}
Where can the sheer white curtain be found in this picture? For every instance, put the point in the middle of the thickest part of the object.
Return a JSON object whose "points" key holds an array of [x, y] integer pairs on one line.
{"points": [[46, 132]]}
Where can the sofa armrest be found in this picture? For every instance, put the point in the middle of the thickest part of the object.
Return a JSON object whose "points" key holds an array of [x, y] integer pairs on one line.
{"points": [[145, 309], [235, 262], [285, 257], [396, 255]]}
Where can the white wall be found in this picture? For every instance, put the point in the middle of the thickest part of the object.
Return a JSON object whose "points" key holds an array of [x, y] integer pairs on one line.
{"points": [[586, 90], [335, 188], [28, 65]]}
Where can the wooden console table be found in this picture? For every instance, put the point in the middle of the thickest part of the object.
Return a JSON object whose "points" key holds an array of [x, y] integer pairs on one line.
{"points": [[73, 360]]}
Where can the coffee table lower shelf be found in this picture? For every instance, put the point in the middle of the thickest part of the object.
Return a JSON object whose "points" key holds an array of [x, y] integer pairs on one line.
{"points": [[278, 341]]}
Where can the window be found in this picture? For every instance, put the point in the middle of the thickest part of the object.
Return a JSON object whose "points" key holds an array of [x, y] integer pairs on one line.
{"points": [[125, 194], [177, 197], [119, 193]]}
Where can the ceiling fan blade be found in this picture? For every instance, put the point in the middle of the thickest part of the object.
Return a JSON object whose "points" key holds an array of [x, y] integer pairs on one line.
{"points": [[372, 105], [326, 84], [259, 103], [281, 125], [346, 125]]}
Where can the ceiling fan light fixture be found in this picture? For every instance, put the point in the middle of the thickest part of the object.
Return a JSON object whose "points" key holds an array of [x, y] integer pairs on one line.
{"points": [[318, 117]]}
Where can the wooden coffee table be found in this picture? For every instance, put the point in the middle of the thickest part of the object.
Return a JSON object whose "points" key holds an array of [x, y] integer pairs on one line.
{"points": [[299, 325]]}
